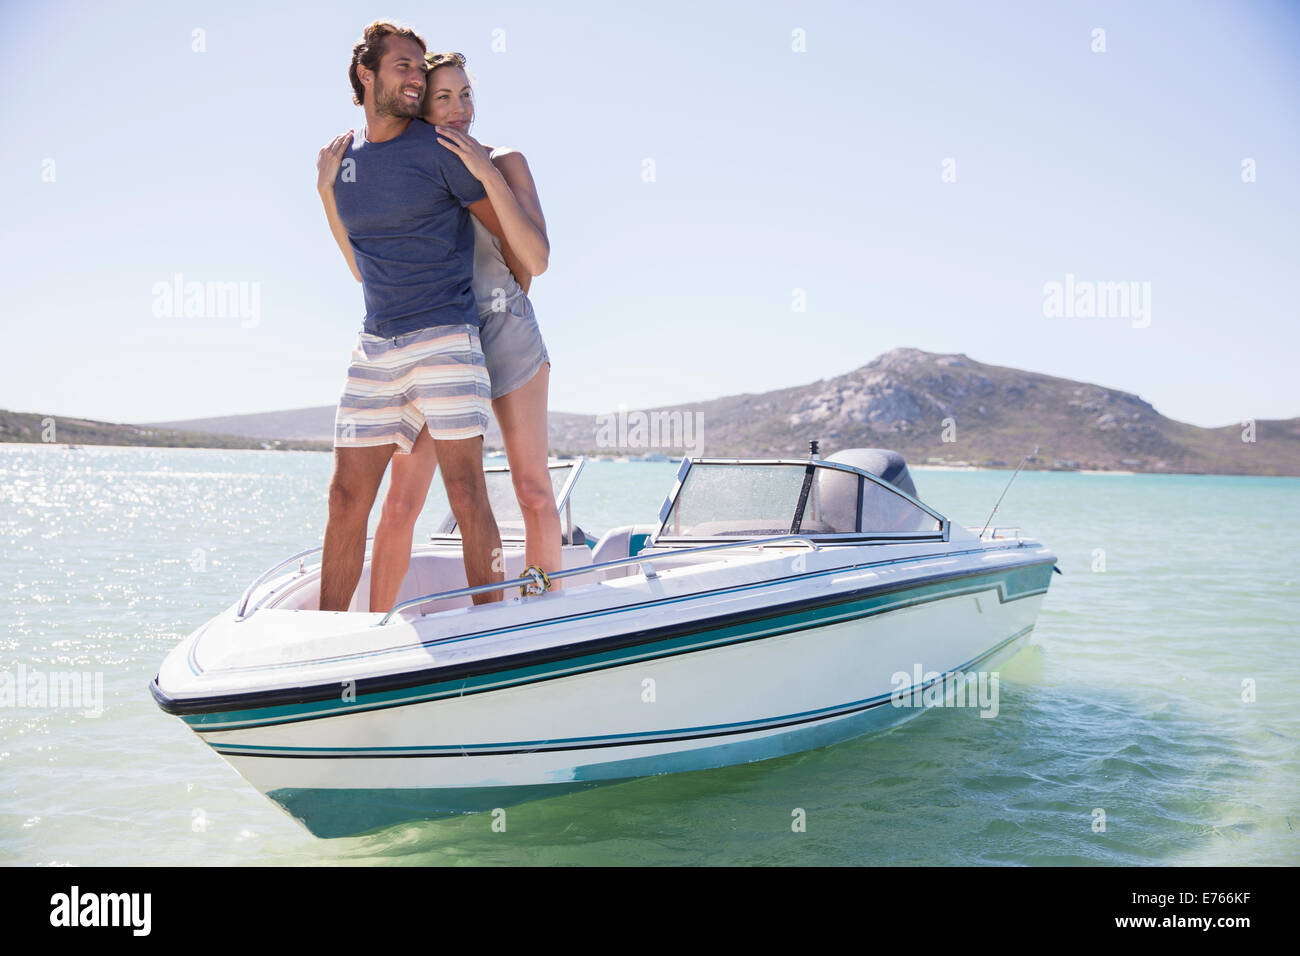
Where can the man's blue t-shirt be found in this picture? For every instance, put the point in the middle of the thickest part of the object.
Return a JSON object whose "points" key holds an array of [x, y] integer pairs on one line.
{"points": [[403, 203]]}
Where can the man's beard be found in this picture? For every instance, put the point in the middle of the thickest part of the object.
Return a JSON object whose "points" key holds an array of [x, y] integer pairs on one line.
{"points": [[389, 100]]}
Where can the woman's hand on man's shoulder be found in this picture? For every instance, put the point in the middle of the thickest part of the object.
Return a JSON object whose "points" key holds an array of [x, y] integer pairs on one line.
{"points": [[330, 158]]}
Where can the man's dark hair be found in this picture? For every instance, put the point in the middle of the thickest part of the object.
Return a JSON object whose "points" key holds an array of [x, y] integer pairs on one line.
{"points": [[370, 50]]}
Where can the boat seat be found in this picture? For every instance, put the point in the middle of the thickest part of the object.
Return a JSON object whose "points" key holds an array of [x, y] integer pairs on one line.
{"points": [[621, 542], [432, 569]]}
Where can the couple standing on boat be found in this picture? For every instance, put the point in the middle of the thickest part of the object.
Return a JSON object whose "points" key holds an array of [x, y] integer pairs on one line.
{"points": [[444, 234]]}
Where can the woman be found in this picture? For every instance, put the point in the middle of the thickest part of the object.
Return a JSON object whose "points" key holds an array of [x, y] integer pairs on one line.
{"points": [[516, 357]]}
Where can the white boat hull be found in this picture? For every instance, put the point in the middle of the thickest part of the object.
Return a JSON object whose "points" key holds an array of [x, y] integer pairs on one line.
{"points": [[779, 606], [778, 686]]}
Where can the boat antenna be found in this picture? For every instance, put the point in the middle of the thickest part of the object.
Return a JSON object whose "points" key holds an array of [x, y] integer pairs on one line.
{"points": [[1033, 454]]}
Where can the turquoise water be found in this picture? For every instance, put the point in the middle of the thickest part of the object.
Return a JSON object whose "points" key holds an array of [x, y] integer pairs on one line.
{"points": [[1128, 700]]}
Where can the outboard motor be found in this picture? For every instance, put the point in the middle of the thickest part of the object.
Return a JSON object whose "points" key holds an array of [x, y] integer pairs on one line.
{"points": [[882, 463], [834, 506]]}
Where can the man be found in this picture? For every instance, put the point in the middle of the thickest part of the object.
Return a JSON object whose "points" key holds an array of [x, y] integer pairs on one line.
{"points": [[403, 198]]}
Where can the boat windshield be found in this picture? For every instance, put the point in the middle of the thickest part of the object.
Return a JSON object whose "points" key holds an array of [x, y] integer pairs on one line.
{"points": [[755, 499], [505, 504]]}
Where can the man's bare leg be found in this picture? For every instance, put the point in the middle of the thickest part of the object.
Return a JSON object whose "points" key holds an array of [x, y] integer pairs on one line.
{"points": [[408, 487], [522, 417], [356, 478], [461, 463]]}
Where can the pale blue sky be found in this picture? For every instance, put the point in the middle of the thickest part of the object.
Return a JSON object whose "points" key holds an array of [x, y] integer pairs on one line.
{"points": [[775, 170]]}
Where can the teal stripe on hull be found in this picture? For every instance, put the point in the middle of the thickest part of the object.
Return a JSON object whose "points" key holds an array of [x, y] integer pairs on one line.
{"points": [[633, 739], [1011, 584], [334, 813], [591, 615], [349, 812]]}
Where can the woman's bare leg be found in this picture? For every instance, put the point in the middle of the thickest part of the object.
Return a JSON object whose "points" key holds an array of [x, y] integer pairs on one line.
{"points": [[408, 487], [522, 417]]}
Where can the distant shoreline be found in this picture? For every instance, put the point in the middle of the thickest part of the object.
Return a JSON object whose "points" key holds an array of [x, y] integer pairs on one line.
{"points": [[893, 401], [79, 446], [83, 446]]}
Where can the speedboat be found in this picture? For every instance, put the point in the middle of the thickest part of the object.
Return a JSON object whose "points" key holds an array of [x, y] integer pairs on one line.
{"points": [[773, 607]]}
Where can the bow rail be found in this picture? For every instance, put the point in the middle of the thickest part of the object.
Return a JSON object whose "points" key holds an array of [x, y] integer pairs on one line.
{"points": [[641, 559], [265, 575]]}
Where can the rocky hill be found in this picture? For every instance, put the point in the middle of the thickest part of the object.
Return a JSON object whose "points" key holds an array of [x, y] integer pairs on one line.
{"points": [[936, 409], [952, 409]]}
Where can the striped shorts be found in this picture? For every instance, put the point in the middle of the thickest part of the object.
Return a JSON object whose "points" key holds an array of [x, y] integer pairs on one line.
{"points": [[434, 377]]}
